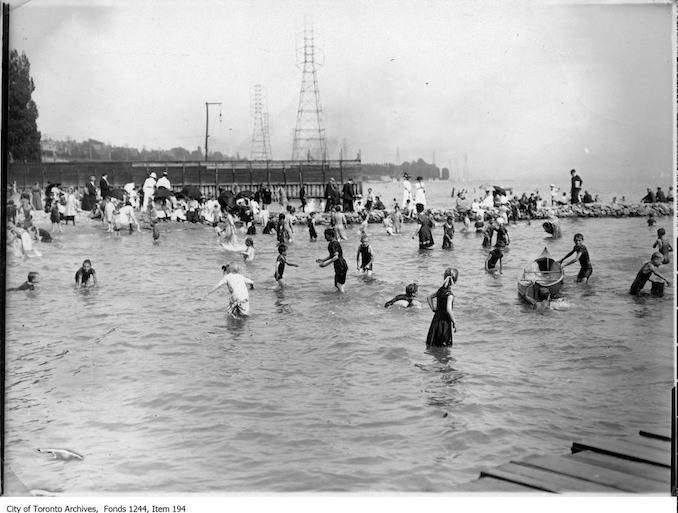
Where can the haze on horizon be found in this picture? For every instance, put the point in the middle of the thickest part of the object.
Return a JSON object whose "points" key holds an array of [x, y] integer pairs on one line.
{"points": [[522, 89]]}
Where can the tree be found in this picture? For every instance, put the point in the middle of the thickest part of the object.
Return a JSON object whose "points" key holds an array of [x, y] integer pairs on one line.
{"points": [[23, 137]]}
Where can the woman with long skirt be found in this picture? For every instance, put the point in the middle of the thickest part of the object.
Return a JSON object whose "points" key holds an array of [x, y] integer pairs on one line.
{"points": [[440, 333]]}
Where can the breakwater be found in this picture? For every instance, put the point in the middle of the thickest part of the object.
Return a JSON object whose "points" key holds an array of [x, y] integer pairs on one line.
{"points": [[561, 211]]}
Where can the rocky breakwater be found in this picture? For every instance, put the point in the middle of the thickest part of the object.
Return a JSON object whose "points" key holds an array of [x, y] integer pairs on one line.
{"points": [[580, 210]]}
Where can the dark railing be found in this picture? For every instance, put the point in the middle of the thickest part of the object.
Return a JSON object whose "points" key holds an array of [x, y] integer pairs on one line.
{"points": [[210, 177]]}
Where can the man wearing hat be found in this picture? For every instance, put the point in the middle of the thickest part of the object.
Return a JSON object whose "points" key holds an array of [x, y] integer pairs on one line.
{"points": [[90, 198], [148, 190], [163, 181], [331, 195], [348, 196], [104, 186]]}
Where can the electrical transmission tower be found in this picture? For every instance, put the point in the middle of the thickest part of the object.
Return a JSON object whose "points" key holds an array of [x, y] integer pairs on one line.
{"points": [[309, 134], [261, 143]]}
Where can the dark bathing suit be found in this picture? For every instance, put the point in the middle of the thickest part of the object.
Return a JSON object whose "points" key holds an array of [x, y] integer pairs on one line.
{"points": [[340, 265], [495, 256], [640, 281], [585, 261], [280, 269], [440, 331], [84, 275], [366, 258]]}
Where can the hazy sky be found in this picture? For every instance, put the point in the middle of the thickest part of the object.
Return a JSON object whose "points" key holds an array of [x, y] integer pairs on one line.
{"points": [[520, 87]]}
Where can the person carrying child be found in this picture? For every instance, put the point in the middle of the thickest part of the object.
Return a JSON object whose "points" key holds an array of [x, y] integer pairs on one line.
{"points": [[336, 257], [280, 264], [582, 255], [645, 274], [365, 254], [32, 279]]}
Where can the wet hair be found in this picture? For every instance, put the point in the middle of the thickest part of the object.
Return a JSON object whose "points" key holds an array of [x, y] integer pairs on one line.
{"points": [[661, 232], [249, 242], [411, 289], [363, 237], [87, 261], [337, 208], [225, 267], [578, 236], [281, 217], [32, 276], [420, 208], [657, 256], [282, 248], [329, 233]]}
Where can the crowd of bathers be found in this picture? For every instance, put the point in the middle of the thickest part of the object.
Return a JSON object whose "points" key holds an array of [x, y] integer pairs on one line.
{"points": [[491, 215]]}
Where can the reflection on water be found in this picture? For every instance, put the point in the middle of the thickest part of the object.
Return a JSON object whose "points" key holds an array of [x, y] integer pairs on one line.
{"points": [[162, 391]]}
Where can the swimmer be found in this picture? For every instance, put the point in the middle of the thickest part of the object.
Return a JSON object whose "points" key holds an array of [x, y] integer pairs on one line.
{"points": [[32, 279], [336, 257], [280, 263], [663, 246], [645, 273], [582, 256], [542, 299], [86, 276], [248, 254], [310, 222], [365, 253], [496, 255], [239, 300], [448, 233], [406, 300]]}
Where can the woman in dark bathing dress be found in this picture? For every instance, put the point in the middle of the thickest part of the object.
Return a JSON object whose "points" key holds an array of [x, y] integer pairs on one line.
{"points": [[442, 325]]}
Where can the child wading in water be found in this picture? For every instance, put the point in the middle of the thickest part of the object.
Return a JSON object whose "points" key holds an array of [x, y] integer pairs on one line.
{"points": [[406, 300], [310, 222], [239, 300], [448, 233], [32, 279], [336, 257], [280, 263], [582, 256], [663, 246], [364, 253], [86, 276], [248, 254], [646, 272]]}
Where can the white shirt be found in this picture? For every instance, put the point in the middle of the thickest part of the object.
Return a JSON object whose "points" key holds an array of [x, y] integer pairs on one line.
{"points": [[126, 214], [237, 286], [420, 194], [149, 184], [164, 182]]}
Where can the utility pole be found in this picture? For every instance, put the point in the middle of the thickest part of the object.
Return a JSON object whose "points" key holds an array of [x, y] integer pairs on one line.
{"points": [[207, 122]]}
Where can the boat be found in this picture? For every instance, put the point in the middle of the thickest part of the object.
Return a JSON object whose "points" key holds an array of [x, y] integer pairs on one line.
{"points": [[543, 273]]}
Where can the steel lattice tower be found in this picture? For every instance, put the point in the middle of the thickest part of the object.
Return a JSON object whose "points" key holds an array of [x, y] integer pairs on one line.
{"points": [[309, 134], [261, 144]]}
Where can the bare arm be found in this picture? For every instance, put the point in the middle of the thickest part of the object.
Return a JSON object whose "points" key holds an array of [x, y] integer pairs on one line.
{"points": [[570, 253], [654, 271], [448, 307], [218, 285], [429, 300]]}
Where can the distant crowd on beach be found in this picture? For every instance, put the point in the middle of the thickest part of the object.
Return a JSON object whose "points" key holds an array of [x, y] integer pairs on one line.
{"points": [[235, 211]]}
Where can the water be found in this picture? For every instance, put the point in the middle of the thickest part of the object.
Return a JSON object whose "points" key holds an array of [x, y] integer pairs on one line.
{"points": [[317, 391]]}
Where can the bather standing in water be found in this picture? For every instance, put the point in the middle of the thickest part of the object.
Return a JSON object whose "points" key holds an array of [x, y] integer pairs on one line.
{"points": [[239, 300], [440, 333]]}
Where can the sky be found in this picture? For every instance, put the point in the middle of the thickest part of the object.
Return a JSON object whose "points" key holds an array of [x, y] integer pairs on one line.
{"points": [[516, 88]]}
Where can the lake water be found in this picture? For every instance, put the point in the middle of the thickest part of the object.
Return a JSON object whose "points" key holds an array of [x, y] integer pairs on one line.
{"points": [[318, 391]]}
